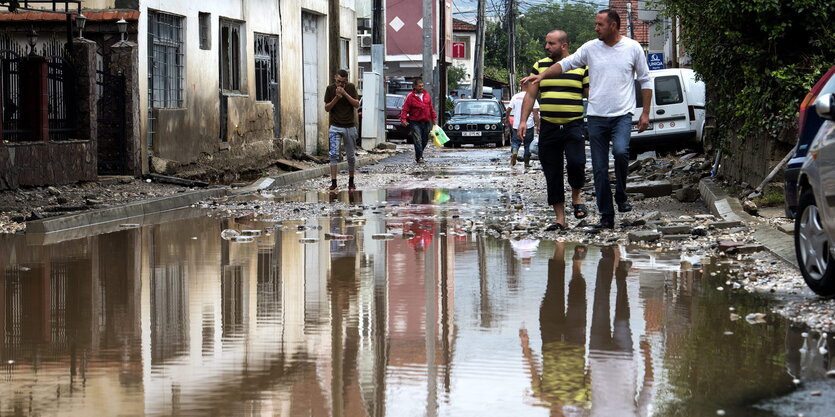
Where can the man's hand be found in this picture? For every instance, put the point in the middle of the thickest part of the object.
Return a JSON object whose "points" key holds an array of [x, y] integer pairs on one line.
{"points": [[532, 79], [643, 122], [340, 92], [404, 122], [523, 128]]}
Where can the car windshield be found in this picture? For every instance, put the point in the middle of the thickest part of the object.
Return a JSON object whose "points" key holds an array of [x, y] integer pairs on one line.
{"points": [[480, 108], [394, 101]]}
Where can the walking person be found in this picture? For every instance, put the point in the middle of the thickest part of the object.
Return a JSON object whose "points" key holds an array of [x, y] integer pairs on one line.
{"points": [[561, 111], [514, 108], [341, 102], [615, 62], [419, 114]]}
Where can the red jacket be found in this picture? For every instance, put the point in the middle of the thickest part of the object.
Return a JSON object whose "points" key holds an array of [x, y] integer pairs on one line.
{"points": [[418, 110]]}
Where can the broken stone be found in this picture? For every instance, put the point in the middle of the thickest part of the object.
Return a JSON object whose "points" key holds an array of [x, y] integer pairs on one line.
{"points": [[786, 228], [687, 194], [651, 188], [746, 249], [750, 207], [93, 202], [755, 318], [644, 236], [728, 244], [229, 234], [674, 230], [725, 224], [53, 191], [676, 237]]}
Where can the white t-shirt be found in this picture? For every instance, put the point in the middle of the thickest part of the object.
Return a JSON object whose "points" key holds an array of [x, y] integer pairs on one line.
{"points": [[612, 72], [515, 107]]}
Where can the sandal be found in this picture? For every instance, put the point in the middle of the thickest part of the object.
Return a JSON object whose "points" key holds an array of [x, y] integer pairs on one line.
{"points": [[554, 227], [580, 211]]}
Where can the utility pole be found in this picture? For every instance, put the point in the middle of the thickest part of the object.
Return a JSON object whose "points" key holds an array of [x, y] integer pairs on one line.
{"points": [[428, 72], [378, 56], [511, 45], [674, 42], [478, 65], [629, 31], [333, 37], [442, 64]]}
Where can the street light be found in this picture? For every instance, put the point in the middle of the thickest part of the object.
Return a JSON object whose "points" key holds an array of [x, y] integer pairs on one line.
{"points": [[33, 39], [80, 21], [122, 25]]}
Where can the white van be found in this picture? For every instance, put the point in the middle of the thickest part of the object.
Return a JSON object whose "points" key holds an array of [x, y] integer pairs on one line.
{"points": [[677, 112]]}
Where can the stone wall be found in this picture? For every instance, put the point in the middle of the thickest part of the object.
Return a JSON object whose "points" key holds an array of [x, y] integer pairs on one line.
{"points": [[751, 159], [46, 163]]}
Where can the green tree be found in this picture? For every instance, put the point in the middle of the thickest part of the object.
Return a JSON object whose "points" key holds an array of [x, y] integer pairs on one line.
{"points": [[757, 57], [576, 19]]}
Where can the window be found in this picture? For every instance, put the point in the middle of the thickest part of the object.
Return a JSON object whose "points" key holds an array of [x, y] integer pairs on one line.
{"points": [[165, 59], [344, 57], [459, 47], [266, 67], [230, 55], [668, 90], [205, 30]]}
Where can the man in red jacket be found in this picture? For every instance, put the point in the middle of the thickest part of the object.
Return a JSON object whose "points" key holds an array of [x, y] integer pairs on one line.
{"points": [[419, 114]]}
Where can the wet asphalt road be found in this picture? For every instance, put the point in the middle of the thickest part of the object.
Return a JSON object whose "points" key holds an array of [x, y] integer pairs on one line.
{"points": [[429, 291]]}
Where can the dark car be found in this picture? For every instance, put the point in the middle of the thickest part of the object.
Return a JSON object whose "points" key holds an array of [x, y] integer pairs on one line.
{"points": [[477, 122], [394, 129], [808, 123]]}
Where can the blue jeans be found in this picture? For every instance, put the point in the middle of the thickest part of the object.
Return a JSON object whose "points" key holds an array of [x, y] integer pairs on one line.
{"points": [[515, 142], [602, 131], [348, 137], [420, 136]]}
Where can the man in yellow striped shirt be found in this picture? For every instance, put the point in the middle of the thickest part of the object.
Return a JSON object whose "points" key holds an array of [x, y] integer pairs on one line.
{"points": [[561, 133]]}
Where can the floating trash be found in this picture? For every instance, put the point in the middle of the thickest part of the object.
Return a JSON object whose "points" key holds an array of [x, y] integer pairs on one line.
{"points": [[307, 240], [229, 234], [755, 318], [251, 232], [128, 225], [243, 239], [383, 236]]}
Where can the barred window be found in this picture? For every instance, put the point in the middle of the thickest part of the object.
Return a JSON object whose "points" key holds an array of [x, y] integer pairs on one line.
{"points": [[165, 59], [230, 55], [344, 53], [266, 67], [205, 20]]}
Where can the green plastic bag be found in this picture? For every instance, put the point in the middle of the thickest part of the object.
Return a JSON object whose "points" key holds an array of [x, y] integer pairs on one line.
{"points": [[439, 136]]}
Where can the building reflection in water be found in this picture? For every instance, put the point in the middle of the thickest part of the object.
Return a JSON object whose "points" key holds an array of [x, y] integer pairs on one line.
{"points": [[171, 319]]}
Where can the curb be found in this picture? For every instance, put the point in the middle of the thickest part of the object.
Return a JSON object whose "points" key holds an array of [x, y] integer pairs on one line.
{"points": [[730, 209], [110, 214]]}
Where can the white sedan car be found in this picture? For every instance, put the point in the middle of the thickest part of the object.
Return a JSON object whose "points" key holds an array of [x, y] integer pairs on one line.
{"points": [[814, 232]]}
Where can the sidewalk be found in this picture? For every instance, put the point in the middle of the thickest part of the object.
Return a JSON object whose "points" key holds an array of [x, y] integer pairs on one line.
{"points": [[729, 208]]}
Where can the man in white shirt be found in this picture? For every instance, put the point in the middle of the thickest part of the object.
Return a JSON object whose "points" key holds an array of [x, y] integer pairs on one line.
{"points": [[514, 109], [615, 62]]}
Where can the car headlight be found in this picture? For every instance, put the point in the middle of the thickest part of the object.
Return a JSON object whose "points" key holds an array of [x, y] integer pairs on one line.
{"points": [[493, 127], [457, 127], [486, 127], [448, 127]]}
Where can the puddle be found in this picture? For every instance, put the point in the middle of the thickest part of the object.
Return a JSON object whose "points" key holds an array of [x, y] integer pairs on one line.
{"points": [[384, 312]]}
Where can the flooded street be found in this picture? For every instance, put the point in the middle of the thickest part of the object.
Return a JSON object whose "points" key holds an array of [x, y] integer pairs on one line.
{"points": [[385, 302]]}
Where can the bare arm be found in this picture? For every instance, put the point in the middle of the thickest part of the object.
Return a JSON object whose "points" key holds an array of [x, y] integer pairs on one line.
{"points": [[536, 119], [643, 121], [527, 106]]}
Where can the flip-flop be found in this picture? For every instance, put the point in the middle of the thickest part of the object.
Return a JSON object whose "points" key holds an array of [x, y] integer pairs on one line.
{"points": [[554, 227], [580, 211]]}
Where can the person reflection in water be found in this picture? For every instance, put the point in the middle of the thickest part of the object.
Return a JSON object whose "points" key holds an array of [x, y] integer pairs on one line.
{"points": [[564, 383], [611, 359]]}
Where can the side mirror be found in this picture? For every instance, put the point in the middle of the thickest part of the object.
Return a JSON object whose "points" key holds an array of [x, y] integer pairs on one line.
{"points": [[448, 114], [825, 104]]}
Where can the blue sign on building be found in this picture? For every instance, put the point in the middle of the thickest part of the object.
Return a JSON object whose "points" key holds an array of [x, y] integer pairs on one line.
{"points": [[655, 61]]}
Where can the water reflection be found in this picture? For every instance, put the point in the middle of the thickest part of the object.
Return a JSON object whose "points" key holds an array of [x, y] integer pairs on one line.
{"points": [[426, 321]]}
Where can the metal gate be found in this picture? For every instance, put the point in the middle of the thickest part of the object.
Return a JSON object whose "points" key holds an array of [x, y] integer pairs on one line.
{"points": [[112, 138]]}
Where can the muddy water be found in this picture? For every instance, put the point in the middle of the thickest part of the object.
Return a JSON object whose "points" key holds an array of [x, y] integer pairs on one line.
{"points": [[381, 312]]}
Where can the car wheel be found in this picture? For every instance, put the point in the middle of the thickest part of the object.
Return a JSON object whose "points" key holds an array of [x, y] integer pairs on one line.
{"points": [[812, 247]]}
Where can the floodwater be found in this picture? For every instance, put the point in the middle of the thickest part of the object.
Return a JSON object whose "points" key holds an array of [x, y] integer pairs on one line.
{"points": [[383, 312]]}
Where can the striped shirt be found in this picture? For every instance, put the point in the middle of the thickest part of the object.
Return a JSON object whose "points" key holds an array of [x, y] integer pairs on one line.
{"points": [[561, 98]]}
